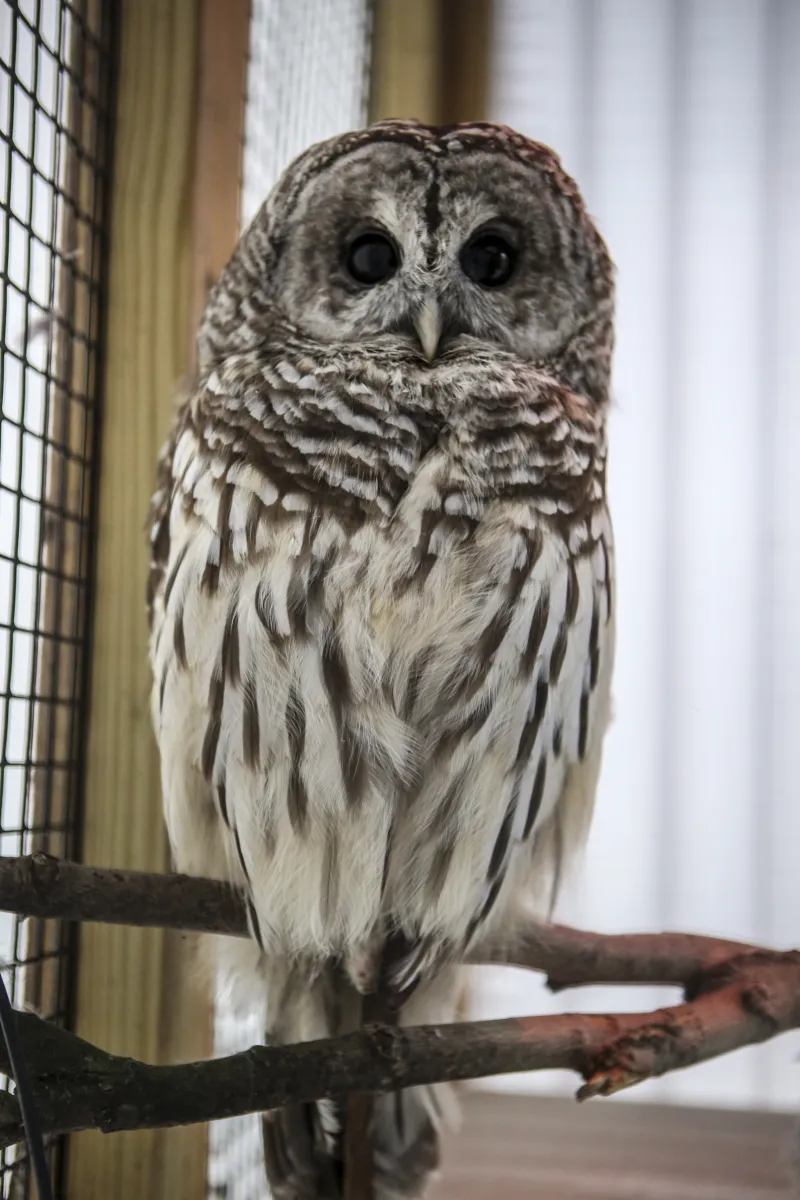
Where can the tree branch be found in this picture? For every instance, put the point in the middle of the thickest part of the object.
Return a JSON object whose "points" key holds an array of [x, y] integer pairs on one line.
{"points": [[38, 885], [575, 957], [736, 995], [78, 1086]]}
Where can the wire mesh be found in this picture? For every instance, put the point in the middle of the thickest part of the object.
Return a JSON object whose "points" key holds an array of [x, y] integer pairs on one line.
{"points": [[55, 128], [307, 80]]}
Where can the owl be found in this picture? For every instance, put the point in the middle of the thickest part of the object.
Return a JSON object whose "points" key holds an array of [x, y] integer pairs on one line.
{"points": [[381, 593]]}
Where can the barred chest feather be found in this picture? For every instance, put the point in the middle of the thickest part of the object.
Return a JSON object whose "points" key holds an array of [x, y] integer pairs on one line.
{"points": [[370, 720]]}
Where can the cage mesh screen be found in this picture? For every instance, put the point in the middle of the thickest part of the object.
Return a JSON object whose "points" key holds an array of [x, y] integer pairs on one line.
{"points": [[307, 80], [55, 118]]}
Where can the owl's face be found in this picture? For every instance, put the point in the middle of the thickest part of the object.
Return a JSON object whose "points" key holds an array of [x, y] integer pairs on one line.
{"points": [[423, 242], [395, 240]]}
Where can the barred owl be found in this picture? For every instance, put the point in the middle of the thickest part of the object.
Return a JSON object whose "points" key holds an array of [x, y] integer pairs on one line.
{"points": [[381, 590]]}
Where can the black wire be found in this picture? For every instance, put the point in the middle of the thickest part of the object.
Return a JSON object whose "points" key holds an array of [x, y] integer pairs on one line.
{"points": [[30, 1117]]}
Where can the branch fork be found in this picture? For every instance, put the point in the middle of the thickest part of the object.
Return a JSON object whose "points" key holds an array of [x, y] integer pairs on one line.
{"points": [[734, 995]]}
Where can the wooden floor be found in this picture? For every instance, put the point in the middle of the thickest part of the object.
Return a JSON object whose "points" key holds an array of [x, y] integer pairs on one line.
{"points": [[526, 1148]]}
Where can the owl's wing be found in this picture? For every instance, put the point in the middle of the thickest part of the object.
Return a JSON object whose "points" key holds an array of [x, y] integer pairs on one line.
{"points": [[193, 817], [570, 702], [158, 527], [508, 683], [524, 747]]}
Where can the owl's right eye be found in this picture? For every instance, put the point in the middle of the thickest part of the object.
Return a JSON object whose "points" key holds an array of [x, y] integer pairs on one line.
{"points": [[372, 258]]}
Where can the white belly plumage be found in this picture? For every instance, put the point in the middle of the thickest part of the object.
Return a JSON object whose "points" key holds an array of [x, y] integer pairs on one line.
{"points": [[366, 724]]}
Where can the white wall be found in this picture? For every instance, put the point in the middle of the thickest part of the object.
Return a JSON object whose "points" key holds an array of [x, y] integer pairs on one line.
{"points": [[679, 119]]}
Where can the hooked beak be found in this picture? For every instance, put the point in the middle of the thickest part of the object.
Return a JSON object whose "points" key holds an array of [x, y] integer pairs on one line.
{"points": [[428, 324]]}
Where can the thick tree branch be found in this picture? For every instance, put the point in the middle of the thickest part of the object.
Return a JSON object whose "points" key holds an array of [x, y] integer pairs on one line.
{"points": [[81, 1087], [39, 885]]}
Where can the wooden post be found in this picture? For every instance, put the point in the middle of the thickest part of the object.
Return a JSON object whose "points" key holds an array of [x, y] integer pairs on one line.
{"points": [[222, 78], [466, 50], [405, 53], [174, 221], [431, 60]]}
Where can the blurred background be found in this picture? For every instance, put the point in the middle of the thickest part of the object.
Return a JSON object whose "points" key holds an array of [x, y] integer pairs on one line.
{"points": [[134, 139]]}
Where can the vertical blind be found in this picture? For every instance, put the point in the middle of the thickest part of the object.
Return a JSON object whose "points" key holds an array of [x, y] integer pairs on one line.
{"points": [[679, 119]]}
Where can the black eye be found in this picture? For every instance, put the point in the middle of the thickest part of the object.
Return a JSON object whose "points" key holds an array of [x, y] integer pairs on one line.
{"points": [[488, 260], [371, 258]]}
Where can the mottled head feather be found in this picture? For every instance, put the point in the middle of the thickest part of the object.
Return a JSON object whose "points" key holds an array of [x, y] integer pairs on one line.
{"points": [[282, 282]]}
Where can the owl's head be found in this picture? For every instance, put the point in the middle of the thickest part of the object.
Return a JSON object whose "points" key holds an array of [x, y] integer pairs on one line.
{"points": [[425, 242]]}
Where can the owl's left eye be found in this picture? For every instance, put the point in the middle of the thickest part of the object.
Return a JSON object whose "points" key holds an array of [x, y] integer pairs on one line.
{"points": [[372, 258], [488, 260]]}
